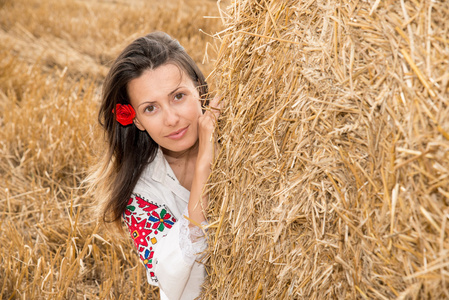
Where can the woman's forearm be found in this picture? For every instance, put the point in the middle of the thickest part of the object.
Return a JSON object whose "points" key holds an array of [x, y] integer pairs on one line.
{"points": [[198, 201]]}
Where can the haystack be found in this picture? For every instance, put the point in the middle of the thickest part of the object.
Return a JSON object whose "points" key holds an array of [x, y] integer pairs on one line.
{"points": [[53, 55], [333, 176]]}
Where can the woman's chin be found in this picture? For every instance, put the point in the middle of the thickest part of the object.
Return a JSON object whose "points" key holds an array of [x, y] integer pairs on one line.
{"points": [[179, 149]]}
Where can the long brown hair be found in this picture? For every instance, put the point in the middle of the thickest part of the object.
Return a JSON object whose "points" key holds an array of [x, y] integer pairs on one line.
{"points": [[129, 149]]}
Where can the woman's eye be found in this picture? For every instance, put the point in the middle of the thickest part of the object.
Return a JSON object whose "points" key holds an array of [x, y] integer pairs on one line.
{"points": [[149, 108], [179, 96]]}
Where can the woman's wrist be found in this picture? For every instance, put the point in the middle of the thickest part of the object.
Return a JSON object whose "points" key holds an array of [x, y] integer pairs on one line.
{"points": [[202, 170]]}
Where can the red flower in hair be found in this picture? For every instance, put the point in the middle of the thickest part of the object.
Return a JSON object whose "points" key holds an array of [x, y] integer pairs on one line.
{"points": [[124, 114]]}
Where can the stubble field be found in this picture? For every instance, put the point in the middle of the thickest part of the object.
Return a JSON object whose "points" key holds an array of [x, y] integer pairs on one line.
{"points": [[53, 58]]}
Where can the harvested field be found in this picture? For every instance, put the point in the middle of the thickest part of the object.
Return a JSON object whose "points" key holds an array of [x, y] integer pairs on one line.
{"points": [[53, 58], [332, 180]]}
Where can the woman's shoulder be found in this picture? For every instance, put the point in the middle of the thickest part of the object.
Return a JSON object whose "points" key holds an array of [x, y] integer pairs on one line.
{"points": [[157, 185], [141, 206]]}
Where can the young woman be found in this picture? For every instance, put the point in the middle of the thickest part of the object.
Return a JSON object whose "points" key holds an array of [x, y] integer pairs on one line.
{"points": [[159, 132]]}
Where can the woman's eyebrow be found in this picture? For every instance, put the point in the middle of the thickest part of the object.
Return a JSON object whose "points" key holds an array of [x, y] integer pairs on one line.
{"points": [[146, 103], [174, 91]]}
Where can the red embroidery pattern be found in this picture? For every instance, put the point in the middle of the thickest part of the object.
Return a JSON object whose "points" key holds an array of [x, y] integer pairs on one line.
{"points": [[145, 220]]}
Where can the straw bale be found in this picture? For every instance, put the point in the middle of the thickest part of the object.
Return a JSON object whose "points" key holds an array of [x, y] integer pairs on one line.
{"points": [[332, 178], [53, 57]]}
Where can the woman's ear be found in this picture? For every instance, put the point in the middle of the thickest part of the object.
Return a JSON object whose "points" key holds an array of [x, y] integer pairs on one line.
{"points": [[138, 125]]}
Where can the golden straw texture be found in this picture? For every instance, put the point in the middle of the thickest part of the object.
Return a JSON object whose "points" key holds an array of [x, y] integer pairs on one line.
{"points": [[332, 181], [53, 58]]}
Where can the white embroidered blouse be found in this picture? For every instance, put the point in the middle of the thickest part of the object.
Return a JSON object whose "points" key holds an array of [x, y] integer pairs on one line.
{"points": [[167, 247]]}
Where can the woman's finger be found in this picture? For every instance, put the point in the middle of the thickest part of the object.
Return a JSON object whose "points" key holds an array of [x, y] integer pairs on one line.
{"points": [[208, 120], [215, 106]]}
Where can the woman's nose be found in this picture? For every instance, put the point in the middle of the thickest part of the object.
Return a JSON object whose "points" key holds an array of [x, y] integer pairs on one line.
{"points": [[171, 117]]}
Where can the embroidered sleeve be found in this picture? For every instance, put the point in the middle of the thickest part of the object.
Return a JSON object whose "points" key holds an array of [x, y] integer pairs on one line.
{"points": [[192, 240], [147, 224]]}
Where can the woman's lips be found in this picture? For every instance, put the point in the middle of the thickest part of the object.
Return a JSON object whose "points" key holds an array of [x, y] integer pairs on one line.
{"points": [[178, 134]]}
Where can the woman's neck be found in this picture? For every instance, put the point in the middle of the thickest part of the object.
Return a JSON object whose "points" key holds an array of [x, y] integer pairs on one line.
{"points": [[183, 164], [186, 155]]}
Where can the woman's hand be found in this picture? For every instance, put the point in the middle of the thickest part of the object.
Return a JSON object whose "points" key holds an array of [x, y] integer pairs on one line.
{"points": [[206, 152]]}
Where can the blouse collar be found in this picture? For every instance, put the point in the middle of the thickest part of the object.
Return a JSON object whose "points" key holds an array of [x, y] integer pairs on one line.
{"points": [[163, 173]]}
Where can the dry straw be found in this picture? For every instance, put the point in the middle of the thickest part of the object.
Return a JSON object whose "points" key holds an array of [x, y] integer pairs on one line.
{"points": [[332, 180]]}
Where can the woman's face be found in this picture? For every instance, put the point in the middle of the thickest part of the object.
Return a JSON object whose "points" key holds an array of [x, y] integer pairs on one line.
{"points": [[167, 106]]}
